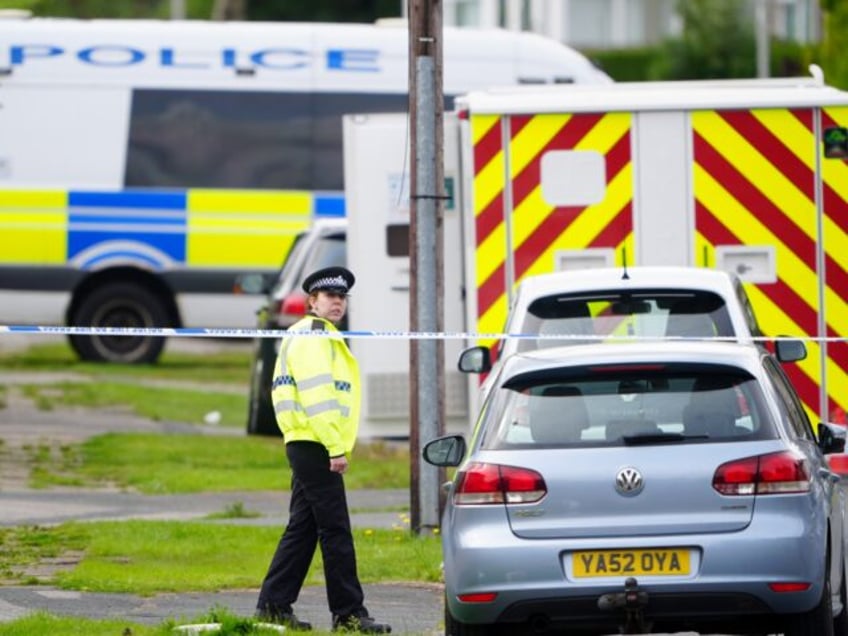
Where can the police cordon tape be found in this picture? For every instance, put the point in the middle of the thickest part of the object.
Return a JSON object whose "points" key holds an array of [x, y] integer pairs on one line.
{"points": [[202, 332]]}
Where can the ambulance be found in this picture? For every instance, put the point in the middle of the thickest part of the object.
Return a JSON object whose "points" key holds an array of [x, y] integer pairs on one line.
{"points": [[145, 164], [748, 176]]}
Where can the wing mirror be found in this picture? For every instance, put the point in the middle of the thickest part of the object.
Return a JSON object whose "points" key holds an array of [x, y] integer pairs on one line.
{"points": [[445, 451], [790, 350], [831, 438], [251, 284], [475, 360]]}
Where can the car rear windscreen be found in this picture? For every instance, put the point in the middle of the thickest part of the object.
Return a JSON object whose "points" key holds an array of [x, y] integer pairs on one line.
{"points": [[649, 313], [663, 404]]}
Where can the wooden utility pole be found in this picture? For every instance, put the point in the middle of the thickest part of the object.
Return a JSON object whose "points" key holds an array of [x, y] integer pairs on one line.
{"points": [[426, 208], [232, 10]]}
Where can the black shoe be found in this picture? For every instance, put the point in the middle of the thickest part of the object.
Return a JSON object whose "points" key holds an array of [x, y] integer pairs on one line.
{"points": [[362, 624], [287, 619]]}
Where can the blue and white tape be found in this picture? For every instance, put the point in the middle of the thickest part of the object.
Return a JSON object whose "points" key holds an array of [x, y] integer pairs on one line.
{"points": [[202, 332]]}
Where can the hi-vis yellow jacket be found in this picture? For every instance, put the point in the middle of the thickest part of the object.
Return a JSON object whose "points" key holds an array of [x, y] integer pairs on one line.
{"points": [[316, 389]]}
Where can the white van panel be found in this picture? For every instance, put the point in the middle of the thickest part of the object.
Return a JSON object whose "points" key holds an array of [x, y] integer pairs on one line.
{"points": [[377, 193], [662, 199], [275, 55], [45, 136]]}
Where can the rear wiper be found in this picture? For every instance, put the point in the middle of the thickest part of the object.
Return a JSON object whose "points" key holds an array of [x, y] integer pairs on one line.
{"points": [[659, 438]]}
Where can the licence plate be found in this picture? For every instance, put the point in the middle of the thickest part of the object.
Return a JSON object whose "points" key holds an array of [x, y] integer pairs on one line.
{"points": [[655, 562]]}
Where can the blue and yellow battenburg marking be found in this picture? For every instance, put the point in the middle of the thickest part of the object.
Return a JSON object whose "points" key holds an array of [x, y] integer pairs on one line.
{"points": [[157, 229]]}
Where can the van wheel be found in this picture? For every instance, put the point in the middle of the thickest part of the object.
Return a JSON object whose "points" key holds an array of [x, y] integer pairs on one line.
{"points": [[261, 419], [818, 621], [119, 305]]}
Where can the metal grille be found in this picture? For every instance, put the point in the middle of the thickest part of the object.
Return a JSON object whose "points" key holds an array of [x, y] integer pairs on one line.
{"points": [[388, 395]]}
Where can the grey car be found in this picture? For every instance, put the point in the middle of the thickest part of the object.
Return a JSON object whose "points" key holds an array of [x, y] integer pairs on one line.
{"points": [[323, 244], [644, 487]]}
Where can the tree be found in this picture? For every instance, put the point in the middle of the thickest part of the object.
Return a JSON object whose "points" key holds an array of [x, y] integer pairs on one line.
{"points": [[717, 42], [833, 59], [323, 10], [108, 8], [272, 10]]}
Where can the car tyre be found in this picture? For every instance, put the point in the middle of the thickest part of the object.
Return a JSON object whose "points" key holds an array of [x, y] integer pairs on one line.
{"points": [[818, 621], [261, 419], [840, 621], [120, 305], [454, 628]]}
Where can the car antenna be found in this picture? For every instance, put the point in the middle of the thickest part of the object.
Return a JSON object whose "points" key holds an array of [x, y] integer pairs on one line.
{"points": [[624, 274]]}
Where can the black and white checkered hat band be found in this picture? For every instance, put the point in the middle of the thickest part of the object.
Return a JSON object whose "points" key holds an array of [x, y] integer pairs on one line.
{"points": [[330, 282]]}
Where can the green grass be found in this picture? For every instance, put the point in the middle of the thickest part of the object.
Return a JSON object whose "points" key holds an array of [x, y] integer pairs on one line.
{"points": [[226, 367], [181, 387], [235, 510], [24, 546], [42, 623], [146, 557], [173, 464], [159, 404], [151, 557]]}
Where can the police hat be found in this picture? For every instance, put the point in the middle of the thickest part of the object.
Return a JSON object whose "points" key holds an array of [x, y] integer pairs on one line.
{"points": [[332, 279]]}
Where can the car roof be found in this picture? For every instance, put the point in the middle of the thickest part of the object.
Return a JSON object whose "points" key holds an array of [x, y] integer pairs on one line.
{"points": [[606, 278], [327, 224], [741, 355]]}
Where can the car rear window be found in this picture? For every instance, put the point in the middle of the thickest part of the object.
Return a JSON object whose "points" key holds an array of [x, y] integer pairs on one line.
{"points": [[620, 406], [329, 251], [649, 313], [308, 256]]}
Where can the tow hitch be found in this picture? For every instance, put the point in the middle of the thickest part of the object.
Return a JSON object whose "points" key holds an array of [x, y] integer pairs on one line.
{"points": [[632, 601]]}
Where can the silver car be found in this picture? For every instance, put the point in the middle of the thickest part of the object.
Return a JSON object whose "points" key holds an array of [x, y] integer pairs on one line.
{"points": [[639, 487]]}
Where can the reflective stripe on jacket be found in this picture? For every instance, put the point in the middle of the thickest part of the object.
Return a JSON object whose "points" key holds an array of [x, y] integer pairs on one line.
{"points": [[316, 389]]}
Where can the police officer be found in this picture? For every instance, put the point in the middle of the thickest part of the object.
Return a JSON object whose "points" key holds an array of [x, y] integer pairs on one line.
{"points": [[316, 396]]}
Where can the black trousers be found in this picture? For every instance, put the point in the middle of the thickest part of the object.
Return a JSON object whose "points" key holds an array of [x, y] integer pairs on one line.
{"points": [[317, 513]]}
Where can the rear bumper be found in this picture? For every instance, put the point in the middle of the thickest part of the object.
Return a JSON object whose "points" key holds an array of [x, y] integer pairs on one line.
{"points": [[729, 580], [702, 612]]}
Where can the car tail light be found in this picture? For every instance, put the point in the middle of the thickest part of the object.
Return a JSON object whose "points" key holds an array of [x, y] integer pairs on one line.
{"points": [[479, 597], [291, 308], [493, 484], [790, 586], [772, 474], [838, 463]]}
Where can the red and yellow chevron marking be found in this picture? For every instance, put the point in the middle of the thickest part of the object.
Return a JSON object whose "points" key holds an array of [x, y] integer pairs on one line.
{"points": [[754, 184], [835, 240], [539, 229]]}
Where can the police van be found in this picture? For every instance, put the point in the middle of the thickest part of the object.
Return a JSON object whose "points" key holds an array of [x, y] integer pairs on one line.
{"points": [[144, 164]]}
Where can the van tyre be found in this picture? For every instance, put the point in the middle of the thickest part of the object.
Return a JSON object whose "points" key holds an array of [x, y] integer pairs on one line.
{"points": [[117, 305], [261, 419]]}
